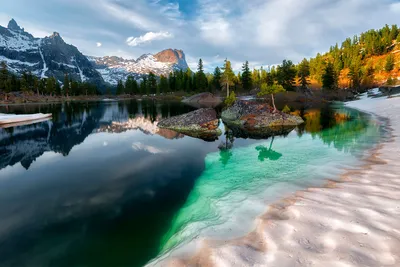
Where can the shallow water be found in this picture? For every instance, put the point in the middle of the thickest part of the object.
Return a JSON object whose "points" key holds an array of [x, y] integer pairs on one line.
{"points": [[100, 184]]}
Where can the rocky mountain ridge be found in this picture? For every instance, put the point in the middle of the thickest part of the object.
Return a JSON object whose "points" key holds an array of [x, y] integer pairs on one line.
{"points": [[114, 68], [51, 56], [44, 57]]}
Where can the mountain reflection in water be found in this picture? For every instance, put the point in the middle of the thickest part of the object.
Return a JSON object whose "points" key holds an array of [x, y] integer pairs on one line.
{"points": [[100, 183]]}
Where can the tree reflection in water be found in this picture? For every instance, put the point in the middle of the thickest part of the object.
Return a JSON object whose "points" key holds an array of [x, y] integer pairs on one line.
{"points": [[268, 153]]}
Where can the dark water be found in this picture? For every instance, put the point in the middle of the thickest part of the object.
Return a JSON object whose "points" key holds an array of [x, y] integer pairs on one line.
{"points": [[100, 184]]}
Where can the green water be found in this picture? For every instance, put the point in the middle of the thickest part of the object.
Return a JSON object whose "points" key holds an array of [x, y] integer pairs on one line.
{"points": [[237, 184], [101, 185]]}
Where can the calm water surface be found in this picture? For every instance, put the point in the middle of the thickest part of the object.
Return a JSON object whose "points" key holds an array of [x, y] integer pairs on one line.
{"points": [[101, 185]]}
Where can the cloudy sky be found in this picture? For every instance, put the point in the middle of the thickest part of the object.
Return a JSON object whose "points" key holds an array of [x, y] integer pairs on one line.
{"points": [[261, 31]]}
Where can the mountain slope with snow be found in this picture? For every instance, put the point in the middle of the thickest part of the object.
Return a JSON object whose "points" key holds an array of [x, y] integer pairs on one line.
{"points": [[44, 57], [115, 68], [51, 56]]}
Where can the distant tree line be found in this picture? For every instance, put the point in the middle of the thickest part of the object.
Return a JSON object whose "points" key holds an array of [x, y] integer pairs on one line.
{"points": [[28, 82]]}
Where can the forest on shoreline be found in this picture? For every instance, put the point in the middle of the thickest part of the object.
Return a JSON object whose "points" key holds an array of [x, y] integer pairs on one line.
{"points": [[359, 63]]}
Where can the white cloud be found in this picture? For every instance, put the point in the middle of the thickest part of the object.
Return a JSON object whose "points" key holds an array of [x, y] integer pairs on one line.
{"points": [[99, 44], [148, 37]]}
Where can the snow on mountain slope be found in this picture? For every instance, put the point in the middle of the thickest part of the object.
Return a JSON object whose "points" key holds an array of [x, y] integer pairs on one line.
{"points": [[51, 56], [44, 57], [115, 68]]}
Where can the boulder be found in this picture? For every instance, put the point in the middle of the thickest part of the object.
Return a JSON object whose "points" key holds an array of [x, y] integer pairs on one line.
{"points": [[201, 123], [260, 133], [255, 116], [203, 100]]}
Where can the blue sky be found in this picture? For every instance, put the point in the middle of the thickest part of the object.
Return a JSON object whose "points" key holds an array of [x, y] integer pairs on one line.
{"points": [[262, 31]]}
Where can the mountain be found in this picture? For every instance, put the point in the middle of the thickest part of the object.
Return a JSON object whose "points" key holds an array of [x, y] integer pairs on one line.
{"points": [[44, 57], [51, 56], [114, 68]]}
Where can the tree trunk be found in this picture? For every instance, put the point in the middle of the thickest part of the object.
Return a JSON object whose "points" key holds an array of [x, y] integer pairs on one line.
{"points": [[227, 89], [273, 102]]}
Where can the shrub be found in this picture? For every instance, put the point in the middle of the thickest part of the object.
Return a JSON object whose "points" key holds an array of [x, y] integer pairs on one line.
{"points": [[286, 109], [230, 100]]}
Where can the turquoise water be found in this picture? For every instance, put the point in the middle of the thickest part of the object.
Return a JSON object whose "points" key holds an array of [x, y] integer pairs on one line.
{"points": [[101, 185], [237, 184]]}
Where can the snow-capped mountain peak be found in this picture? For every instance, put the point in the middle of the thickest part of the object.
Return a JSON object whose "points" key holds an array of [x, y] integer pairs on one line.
{"points": [[44, 57], [115, 68], [52, 57]]}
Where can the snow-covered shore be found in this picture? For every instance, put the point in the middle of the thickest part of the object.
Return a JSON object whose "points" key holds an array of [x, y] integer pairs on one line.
{"points": [[11, 120], [355, 222]]}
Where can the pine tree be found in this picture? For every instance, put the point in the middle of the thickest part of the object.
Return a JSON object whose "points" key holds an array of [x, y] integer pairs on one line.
{"points": [[389, 65], [163, 86], [329, 78], [120, 88], [143, 86], [355, 74], [131, 86], [66, 85], [3, 76], [201, 79], [217, 79], [152, 84], [74, 87], [304, 74], [286, 74], [228, 76], [24, 83], [51, 85], [271, 90], [256, 78], [247, 81]]}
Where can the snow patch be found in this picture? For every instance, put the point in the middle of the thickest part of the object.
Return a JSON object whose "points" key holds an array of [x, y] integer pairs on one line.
{"points": [[45, 69]]}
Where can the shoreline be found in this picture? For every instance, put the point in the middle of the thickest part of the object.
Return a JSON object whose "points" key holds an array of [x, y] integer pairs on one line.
{"points": [[48, 100], [299, 231]]}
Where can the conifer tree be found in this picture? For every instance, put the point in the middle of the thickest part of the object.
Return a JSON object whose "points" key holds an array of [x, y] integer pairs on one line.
{"points": [[217, 79], [355, 74], [228, 76], [3, 76], [152, 84], [66, 85], [246, 78], [256, 78], [329, 78], [120, 88], [163, 86], [271, 90], [286, 74], [304, 74], [389, 65], [201, 79]]}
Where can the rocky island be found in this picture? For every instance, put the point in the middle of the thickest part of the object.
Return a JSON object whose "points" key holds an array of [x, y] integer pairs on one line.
{"points": [[201, 123], [251, 119], [203, 100]]}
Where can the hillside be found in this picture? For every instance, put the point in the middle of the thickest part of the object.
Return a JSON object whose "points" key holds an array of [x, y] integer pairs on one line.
{"points": [[367, 60]]}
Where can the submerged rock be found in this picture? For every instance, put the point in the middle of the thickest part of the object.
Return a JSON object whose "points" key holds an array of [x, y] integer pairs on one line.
{"points": [[258, 120], [203, 100], [260, 133], [201, 123]]}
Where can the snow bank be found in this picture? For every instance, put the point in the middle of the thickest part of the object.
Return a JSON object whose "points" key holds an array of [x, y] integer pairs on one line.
{"points": [[11, 120]]}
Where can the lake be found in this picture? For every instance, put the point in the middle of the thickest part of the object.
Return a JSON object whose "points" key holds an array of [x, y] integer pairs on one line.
{"points": [[101, 185]]}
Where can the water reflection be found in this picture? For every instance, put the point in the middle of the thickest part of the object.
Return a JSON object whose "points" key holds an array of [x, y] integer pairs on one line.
{"points": [[73, 122], [267, 153], [100, 183]]}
